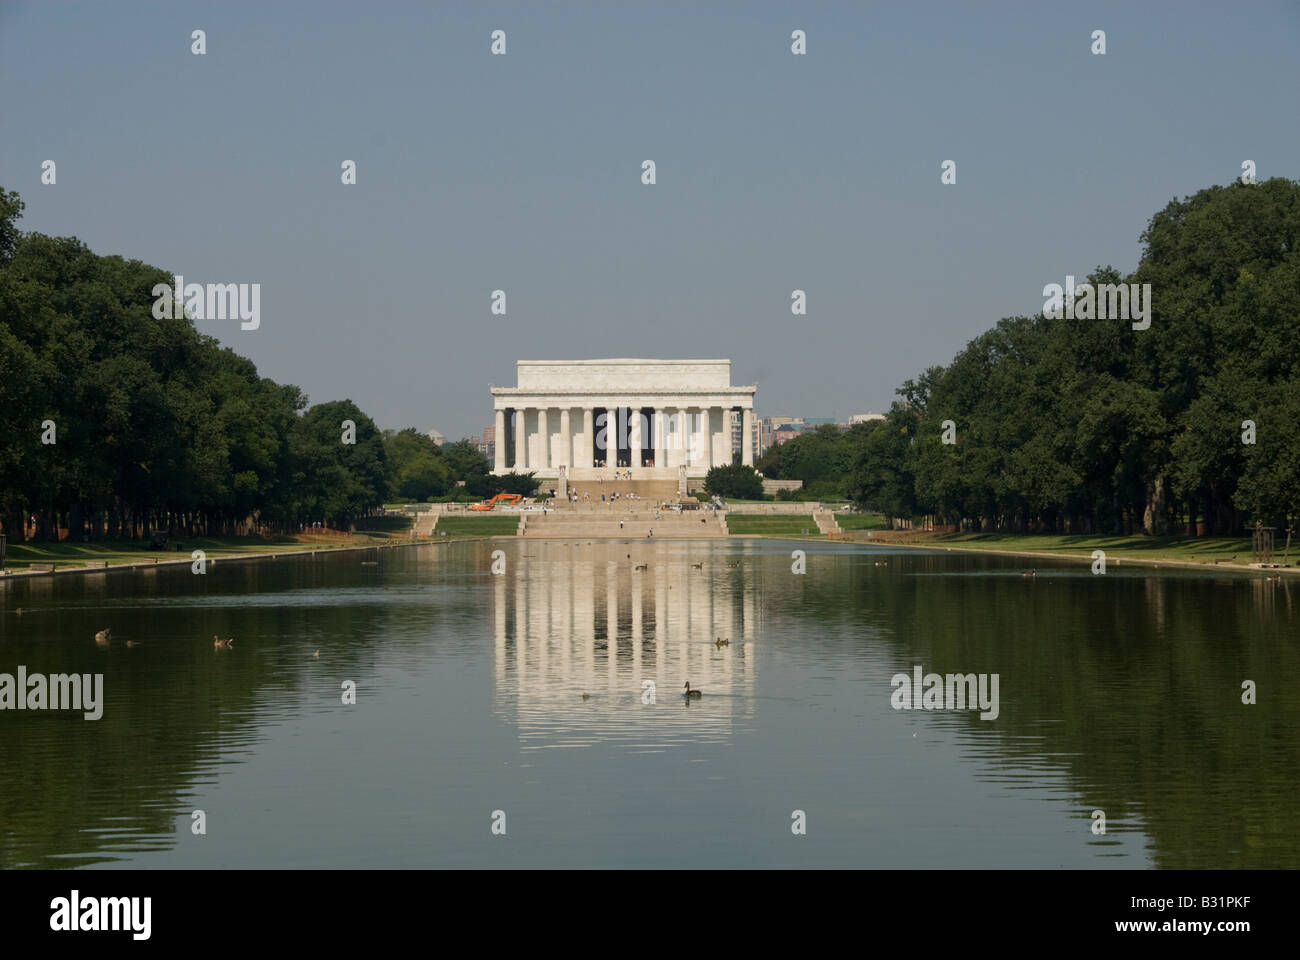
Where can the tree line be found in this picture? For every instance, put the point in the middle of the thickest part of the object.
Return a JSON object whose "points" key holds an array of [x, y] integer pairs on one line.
{"points": [[114, 423], [1092, 426]]}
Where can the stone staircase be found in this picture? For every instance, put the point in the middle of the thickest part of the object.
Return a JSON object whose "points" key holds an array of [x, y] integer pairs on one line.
{"points": [[637, 524], [647, 491], [826, 523], [424, 525]]}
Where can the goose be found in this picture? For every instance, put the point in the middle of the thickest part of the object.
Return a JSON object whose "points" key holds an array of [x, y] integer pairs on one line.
{"points": [[722, 643], [691, 693], [641, 566], [101, 638], [219, 644]]}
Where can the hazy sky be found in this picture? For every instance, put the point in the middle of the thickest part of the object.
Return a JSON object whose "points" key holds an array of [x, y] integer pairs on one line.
{"points": [[523, 172]]}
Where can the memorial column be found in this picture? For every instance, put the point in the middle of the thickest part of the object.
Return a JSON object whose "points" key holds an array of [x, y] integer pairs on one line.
{"points": [[521, 438], [588, 436], [543, 434], [565, 456], [499, 442], [634, 437], [660, 428]]}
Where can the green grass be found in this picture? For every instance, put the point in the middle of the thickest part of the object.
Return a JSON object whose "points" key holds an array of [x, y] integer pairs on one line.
{"points": [[67, 554], [860, 521], [499, 525], [1184, 549], [786, 526]]}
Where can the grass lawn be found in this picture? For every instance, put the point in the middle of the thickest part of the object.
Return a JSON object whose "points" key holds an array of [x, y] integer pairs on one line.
{"points": [[498, 525], [787, 526], [1188, 550], [68, 554], [860, 521]]}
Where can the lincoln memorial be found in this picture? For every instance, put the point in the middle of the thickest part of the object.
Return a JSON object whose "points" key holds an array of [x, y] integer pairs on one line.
{"points": [[583, 418]]}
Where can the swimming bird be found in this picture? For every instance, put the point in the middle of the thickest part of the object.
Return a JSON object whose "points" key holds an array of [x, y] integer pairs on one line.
{"points": [[316, 653], [1030, 573], [640, 566], [722, 643], [586, 696], [882, 563], [691, 693], [101, 638], [219, 644], [19, 611], [132, 643], [698, 566]]}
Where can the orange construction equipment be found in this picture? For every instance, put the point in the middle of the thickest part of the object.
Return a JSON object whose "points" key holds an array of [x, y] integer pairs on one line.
{"points": [[509, 499]]}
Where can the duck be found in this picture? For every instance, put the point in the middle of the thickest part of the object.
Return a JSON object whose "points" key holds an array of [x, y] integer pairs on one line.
{"points": [[219, 644], [602, 646], [698, 566], [722, 643], [19, 611], [1030, 573], [691, 693], [641, 566], [101, 638], [586, 696], [315, 653], [882, 563], [132, 643]]}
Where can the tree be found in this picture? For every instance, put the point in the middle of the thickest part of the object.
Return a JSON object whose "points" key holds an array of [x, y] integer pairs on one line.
{"points": [[738, 482]]}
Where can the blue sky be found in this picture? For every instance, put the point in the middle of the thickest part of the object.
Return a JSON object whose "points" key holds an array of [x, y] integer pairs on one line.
{"points": [[775, 172]]}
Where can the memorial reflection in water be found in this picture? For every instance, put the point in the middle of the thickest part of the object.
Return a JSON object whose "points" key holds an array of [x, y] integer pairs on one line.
{"points": [[628, 625]]}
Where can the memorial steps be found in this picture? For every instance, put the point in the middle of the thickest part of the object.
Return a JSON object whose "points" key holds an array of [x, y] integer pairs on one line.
{"points": [[648, 492], [596, 524]]}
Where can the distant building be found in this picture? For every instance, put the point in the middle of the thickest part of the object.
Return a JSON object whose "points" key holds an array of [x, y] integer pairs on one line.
{"points": [[487, 446], [765, 427], [865, 418], [437, 437], [786, 432]]}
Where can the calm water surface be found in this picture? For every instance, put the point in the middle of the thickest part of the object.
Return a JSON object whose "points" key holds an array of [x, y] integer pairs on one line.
{"points": [[1119, 693]]}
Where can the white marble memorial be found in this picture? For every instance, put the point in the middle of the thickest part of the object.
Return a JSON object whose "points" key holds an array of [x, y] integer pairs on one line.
{"points": [[592, 416]]}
